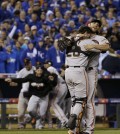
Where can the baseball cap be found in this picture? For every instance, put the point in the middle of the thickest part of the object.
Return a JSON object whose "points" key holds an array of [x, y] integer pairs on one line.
{"points": [[8, 46], [48, 62], [82, 3], [46, 37], [96, 21], [34, 27], [6, 21], [26, 38], [39, 66], [27, 61]]}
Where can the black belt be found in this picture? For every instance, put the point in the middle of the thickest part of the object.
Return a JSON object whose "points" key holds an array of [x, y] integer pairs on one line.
{"points": [[90, 68], [62, 82], [74, 66]]}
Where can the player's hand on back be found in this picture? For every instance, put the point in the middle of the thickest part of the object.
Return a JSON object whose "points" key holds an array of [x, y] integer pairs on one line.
{"points": [[8, 80], [13, 84], [89, 47]]}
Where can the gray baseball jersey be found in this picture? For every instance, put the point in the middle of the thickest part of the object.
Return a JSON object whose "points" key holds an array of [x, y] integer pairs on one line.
{"points": [[100, 40], [76, 58], [23, 73]]}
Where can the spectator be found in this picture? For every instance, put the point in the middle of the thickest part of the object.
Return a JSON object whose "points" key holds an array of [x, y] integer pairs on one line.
{"points": [[31, 53], [44, 30], [12, 60], [34, 35], [42, 17], [29, 12], [27, 30], [4, 13], [63, 7], [49, 18], [71, 26], [61, 33], [53, 32], [48, 42], [22, 20], [56, 56], [36, 8], [41, 51], [34, 21], [26, 42], [3, 58], [111, 18], [56, 24], [18, 5], [19, 51]]}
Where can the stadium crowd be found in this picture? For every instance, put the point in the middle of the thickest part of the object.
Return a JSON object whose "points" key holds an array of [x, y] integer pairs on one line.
{"points": [[31, 29]]}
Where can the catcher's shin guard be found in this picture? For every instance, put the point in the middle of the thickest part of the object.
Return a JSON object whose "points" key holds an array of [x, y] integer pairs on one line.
{"points": [[80, 118], [72, 121], [78, 123]]}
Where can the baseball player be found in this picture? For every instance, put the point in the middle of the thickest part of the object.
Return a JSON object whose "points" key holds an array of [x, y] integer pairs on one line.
{"points": [[102, 45], [24, 93], [41, 83], [75, 74], [59, 93]]}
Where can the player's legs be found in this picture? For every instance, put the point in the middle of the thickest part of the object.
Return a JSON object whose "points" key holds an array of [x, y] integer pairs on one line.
{"points": [[32, 106], [22, 106], [78, 90], [48, 113], [43, 105], [90, 108], [61, 91]]}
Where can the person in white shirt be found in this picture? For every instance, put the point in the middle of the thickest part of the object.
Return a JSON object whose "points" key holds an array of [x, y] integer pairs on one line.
{"points": [[24, 93]]}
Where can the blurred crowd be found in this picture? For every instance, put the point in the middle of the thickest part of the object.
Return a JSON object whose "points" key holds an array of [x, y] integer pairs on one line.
{"points": [[31, 29]]}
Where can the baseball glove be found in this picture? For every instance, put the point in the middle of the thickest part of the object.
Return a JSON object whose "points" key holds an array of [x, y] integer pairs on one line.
{"points": [[64, 43]]}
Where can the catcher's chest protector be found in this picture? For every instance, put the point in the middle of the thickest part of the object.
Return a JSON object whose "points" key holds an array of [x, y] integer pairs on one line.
{"points": [[75, 49]]}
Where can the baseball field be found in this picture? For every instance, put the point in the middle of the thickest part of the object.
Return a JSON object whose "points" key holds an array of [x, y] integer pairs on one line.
{"points": [[27, 131]]}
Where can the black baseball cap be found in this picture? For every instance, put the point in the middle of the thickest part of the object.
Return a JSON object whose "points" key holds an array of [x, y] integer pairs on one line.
{"points": [[48, 62], [84, 29], [27, 61], [96, 21]]}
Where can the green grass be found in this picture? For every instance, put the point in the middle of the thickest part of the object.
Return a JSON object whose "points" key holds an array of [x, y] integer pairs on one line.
{"points": [[105, 131]]}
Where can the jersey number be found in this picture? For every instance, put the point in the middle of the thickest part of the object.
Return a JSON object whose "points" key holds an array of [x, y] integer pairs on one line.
{"points": [[73, 54]]}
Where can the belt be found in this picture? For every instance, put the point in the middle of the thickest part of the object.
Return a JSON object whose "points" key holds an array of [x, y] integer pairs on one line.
{"points": [[74, 66], [62, 82]]}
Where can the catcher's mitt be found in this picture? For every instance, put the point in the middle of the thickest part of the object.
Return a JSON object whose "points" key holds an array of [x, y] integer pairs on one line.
{"points": [[64, 43]]}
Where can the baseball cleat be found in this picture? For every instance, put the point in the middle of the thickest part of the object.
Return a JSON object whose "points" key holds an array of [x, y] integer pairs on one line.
{"points": [[83, 133], [70, 132]]}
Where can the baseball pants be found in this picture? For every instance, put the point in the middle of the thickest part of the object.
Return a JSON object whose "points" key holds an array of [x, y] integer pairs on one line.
{"points": [[89, 118], [60, 93]]}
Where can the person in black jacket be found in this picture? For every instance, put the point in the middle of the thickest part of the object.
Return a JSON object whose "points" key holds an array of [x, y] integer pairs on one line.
{"points": [[41, 83]]}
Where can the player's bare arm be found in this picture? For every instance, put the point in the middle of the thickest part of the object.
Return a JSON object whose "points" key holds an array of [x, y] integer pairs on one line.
{"points": [[112, 52], [103, 47]]}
